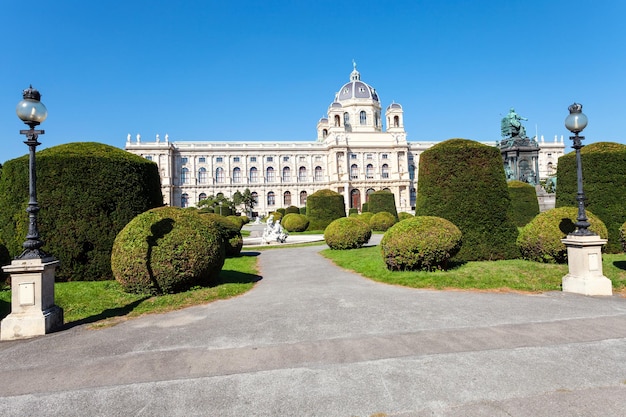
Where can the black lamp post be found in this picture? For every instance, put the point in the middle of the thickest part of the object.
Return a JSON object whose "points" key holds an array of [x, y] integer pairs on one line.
{"points": [[32, 112], [575, 123]]}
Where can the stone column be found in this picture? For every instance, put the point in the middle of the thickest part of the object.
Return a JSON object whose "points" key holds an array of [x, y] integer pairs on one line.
{"points": [[585, 266], [33, 312]]}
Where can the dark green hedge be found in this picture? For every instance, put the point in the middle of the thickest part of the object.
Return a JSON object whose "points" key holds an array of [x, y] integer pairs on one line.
{"points": [[87, 193], [382, 201], [604, 184], [463, 181], [524, 203], [322, 207]]}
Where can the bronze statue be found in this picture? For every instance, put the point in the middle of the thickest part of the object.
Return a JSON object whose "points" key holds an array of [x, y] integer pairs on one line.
{"points": [[511, 125]]}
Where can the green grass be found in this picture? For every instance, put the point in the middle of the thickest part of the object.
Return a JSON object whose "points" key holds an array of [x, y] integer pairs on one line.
{"points": [[509, 275], [105, 303]]}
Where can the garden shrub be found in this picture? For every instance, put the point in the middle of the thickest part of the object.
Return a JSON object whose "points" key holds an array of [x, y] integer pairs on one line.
{"points": [[382, 201], [322, 207], [277, 216], [352, 211], [292, 209], [622, 236], [366, 216], [347, 233], [524, 204], [463, 181], [5, 259], [382, 221], [167, 250], [403, 215], [365, 208], [238, 221], [294, 222], [229, 230], [420, 243], [303, 210], [282, 212], [87, 193], [604, 176], [540, 240]]}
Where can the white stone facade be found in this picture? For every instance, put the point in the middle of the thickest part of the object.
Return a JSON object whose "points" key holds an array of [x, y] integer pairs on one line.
{"points": [[353, 155]]}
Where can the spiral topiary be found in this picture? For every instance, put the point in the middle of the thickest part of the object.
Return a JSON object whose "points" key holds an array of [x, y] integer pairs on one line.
{"points": [[540, 240], [347, 233], [420, 243], [167, 250], [382, 221], [295, 222]]}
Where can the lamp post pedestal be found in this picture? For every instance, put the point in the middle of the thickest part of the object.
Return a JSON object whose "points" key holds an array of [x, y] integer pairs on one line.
{"points": [[584, 254], [33, 312]]}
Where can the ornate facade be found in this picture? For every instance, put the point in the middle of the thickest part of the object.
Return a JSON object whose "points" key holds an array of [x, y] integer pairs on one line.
{"points": [[353, 155]]}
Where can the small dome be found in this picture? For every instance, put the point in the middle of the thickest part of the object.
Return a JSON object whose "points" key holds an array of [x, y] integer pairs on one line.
{"points": [[394, 106], [323, 120], [356, 89], [336, 104]]}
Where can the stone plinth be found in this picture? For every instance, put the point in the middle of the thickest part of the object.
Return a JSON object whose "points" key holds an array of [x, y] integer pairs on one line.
{"points": [[584, 258], [33, 312]]}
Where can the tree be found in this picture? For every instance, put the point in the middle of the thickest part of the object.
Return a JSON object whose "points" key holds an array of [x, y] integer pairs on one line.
{"points": [[246, 198]]}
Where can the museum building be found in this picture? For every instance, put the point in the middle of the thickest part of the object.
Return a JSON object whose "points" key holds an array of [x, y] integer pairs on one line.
{"points": [[353, 155]]}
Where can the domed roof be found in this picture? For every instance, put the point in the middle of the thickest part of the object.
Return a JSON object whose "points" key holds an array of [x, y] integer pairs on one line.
{"points": [[336, 104], [356, 88], [394, 106]]}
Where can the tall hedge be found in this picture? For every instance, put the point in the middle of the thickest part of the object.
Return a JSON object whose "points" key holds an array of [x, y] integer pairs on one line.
{"points": [[524, 203], [382, 201], [463, 181], [322, 207], [604, 184], [87, 193]]}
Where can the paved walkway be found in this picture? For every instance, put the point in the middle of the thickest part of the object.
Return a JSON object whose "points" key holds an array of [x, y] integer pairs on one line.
{"points": [[313, 340]]}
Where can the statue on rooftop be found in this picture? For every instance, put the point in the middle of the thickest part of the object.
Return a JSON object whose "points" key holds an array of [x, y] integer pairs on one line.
{"points": [[511, 125]]}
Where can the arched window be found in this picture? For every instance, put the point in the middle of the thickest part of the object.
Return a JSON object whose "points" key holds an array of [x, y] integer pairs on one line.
{"points": [[355, 199], [324, 133], [396, 121], [302, 198], [236, 175], [376, 119], [363, 117], [184, 200], [286, 174], [202, 176], [413, 197], [219, 175], [367, 194], [269, 174], [550, 168], [202, 196], [354, 171], [184, 176], [411, 172], [337, 121], [385, 171], [271, 199], [302, 174], [369, 171], [286, 198], [346, 119], [318, 174], [255, 197], [254, 175]]}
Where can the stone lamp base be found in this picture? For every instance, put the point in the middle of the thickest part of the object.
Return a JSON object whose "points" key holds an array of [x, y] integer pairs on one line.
{"points": [[584, 258]]}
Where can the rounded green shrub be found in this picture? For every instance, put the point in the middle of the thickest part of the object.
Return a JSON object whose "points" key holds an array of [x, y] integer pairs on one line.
{"points": [[622, 236], [404, 215], [295, 222], [382, 201], [282, 212], [604, 173], [382, 221], [420, 243], [524, 204], [353, 211], [239, 221], [322, 207], [292, 209], [463, 181], [87, 193], [277, 216], [347, 233], [167, 250], [229, 230], [366, 216], [540, 240]]}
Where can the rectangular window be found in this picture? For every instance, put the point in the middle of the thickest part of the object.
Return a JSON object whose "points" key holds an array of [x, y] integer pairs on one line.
{"points": [[270, 159], [236, 159], [149, 157], [253, 159], [369, 156], [385, 156], [285, 159], [219, 159], [183, 160], [352, 156], [202, 160]]}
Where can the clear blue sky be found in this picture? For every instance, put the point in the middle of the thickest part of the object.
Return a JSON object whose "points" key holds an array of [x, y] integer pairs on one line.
{"points": [[267, 70]]}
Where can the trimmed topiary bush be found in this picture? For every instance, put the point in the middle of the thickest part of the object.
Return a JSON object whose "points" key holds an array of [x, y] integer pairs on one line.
{"points": [[540, 240], [420, 243], [382, 221], [167, 250], [352, 211], [292, 209], [303, 210], [5, 259], [322, 207], [382, 201], [365, 208], [366, 216], [294, 222], [277, 215], [604, 176], [87, 193], [237, 220], [229, 230], [463, 181], [622, 236], [403, 215], [524, 203], [347, 233], [282, 212]]}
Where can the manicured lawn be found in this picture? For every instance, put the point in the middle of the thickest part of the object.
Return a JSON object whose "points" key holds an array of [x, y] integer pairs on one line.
{"points": [[509, 275], [105, 303]]}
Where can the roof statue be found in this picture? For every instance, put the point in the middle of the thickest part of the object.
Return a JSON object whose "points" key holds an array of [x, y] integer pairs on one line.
{"points": [[513, 131]]}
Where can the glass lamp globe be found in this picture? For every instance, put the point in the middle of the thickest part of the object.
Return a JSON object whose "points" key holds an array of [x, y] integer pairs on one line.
{"points": [[576, 121], [30, 110]]}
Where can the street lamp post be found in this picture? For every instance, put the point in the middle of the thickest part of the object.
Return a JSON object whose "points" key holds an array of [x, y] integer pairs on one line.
{"points": [[584, 248], [33, 311]]}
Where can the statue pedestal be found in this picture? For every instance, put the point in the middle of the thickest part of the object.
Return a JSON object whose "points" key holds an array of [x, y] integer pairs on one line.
{"points": [[584, 258], [33, 312]]}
